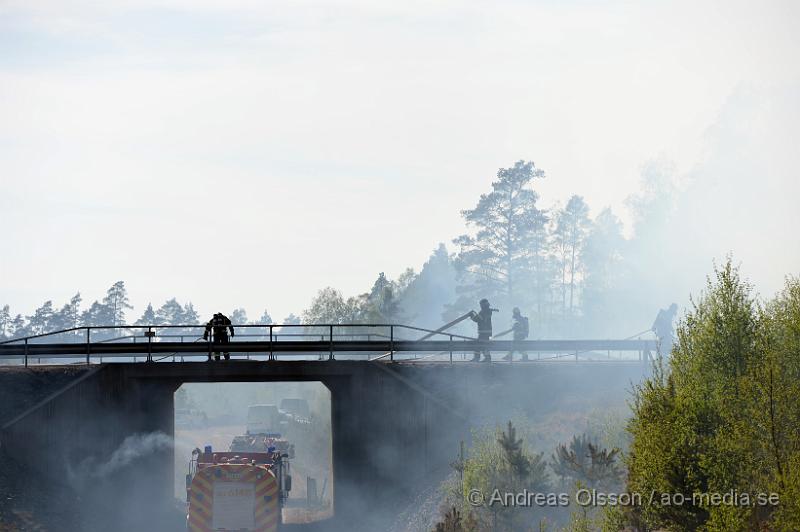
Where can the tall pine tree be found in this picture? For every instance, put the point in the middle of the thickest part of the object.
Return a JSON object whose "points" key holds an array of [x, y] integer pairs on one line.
{"points": [[506, 249], [117, 301]]}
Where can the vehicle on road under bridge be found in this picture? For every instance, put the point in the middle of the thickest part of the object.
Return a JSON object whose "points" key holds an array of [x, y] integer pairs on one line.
{"points": [[257, 443], [236, 490]]}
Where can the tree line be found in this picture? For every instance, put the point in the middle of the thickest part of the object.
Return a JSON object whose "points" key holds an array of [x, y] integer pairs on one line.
{"points": [[570, 273], [110, 311]]}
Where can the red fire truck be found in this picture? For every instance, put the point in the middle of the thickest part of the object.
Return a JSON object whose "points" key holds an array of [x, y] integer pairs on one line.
{"points": [[242, 491]]}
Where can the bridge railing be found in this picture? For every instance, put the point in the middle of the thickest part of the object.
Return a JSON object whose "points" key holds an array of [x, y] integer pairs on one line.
{"points": [[381, 341], [272, 334]]}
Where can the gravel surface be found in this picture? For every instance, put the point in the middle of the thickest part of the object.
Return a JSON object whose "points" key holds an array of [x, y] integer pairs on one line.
{"points": [[28, 502]]}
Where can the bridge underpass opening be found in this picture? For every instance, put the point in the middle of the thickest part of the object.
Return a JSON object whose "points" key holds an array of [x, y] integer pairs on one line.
{"points": [[220, 414]]}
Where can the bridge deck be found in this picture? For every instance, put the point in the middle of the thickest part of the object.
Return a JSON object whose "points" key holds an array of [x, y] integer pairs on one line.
{"points": [[377, 349]]}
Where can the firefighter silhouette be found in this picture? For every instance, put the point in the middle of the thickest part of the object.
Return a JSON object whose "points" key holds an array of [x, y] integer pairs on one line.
{"points": [[521, 329], [484, 320], [218, 327], [662, 327]]}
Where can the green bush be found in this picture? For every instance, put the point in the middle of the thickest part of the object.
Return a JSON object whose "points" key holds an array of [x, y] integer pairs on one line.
{"points": [[723, 415]]}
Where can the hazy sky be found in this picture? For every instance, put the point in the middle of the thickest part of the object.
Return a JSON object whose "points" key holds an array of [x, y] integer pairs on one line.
{"points": [[247, 153]]}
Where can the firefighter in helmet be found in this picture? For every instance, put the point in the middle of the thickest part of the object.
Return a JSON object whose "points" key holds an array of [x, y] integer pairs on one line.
{"points": [[484, 320], [218, 327], [662, 327], [520, 328]]}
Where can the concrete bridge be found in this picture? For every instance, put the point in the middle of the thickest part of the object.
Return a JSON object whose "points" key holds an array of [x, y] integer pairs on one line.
{"points": [[395, 425]]}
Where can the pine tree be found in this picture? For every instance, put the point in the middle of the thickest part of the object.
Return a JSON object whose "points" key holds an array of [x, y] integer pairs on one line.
{"points": [[404, 280], [18, 328], [380, 303], [571, 229], [605, 289], [585, 461], [148, 316], [499, 460], [69, 316], [238, 316], [72, 310], [506, 250], [40, 322], [427, 299], [605, 471], [453, 522], [170, 313], [291, 319], [570, 460], [5, 322], [514, 454], [117, 301], [265, 319], [190, 315], [97, 315]]}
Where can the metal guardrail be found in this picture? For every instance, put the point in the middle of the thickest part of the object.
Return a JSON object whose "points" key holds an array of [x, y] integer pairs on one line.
{"points": [[86, 331], [97, 342]]}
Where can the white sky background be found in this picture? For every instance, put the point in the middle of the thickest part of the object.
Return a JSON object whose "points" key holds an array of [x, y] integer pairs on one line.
{"points": [[238, 153]]}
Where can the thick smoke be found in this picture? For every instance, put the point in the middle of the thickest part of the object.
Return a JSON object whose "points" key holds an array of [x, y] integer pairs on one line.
{"points": [[738, 201], [120, 492], [665, 240], [133, 448]]}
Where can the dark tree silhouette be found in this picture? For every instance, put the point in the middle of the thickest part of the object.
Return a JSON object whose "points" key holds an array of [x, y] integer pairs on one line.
{"points": [[585, 461]]}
